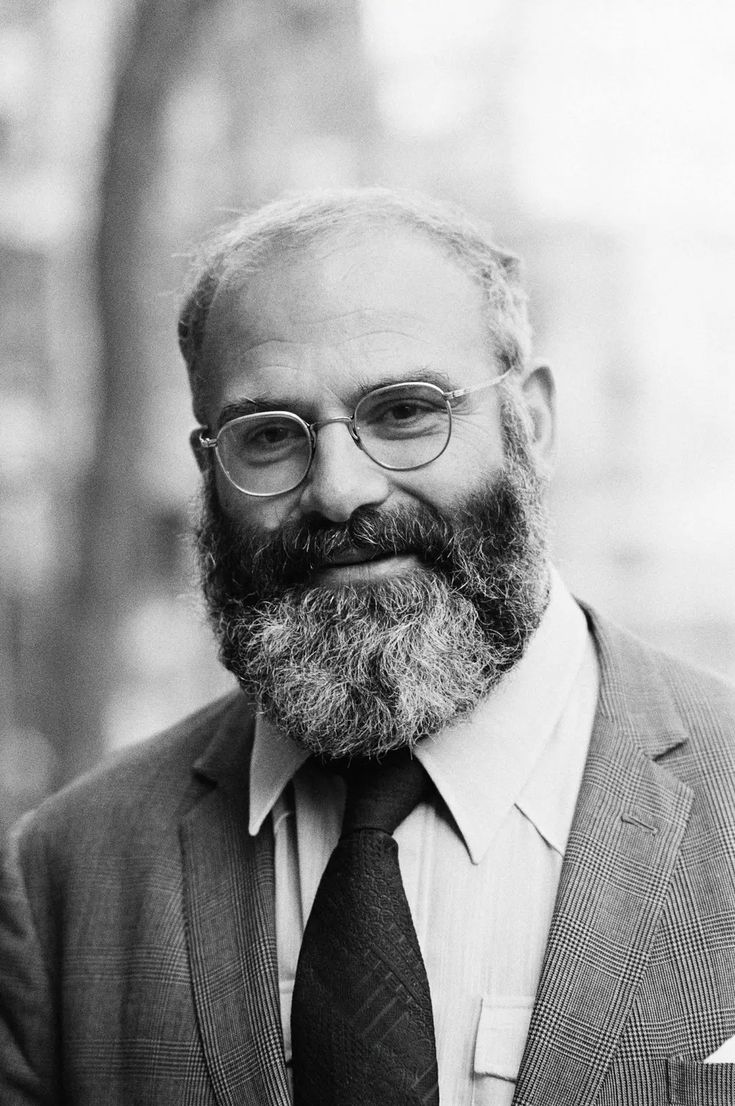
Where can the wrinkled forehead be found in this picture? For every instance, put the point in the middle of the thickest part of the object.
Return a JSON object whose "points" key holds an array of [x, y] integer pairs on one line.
{"points": [[340, 286]]}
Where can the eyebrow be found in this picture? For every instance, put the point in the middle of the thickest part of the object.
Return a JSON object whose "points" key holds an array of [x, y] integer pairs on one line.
{"points": [[244, 406], [248, 405], [422, 374]]}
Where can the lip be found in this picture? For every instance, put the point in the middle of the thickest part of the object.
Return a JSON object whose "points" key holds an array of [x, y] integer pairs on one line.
{"points": [[353, 557], [354, 567]]}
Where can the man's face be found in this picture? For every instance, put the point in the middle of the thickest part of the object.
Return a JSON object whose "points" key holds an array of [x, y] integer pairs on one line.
{"points": [[296, 586]]}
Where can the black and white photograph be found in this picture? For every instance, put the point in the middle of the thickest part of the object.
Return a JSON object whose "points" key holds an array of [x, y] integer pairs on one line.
{"points": [[367, 553]]}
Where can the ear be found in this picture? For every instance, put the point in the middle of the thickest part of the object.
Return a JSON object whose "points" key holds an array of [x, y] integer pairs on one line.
{"points": [[539, 392], [200, 453]]}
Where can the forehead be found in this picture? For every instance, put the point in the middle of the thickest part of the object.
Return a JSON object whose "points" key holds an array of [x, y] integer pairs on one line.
{"points": [[343, 308]]}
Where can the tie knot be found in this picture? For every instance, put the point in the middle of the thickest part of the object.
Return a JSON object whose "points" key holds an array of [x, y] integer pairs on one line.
{"points": [[381, 793]]}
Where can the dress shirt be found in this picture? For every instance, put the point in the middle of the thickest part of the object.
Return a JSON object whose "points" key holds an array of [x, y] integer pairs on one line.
{"points": [[480, 861]]}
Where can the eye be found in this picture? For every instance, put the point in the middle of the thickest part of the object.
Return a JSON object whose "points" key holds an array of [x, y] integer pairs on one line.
{"points": [[263, 439], [402, 412], [273, 434]]}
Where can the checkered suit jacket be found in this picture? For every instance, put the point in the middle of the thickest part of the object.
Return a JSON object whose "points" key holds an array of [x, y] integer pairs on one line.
{"points": [[137, 948]]}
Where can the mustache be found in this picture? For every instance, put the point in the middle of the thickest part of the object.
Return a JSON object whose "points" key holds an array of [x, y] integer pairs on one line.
{"points": [[298, 550]]}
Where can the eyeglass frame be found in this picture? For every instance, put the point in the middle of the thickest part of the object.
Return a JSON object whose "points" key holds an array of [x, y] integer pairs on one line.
{"points": [[312, 429]]}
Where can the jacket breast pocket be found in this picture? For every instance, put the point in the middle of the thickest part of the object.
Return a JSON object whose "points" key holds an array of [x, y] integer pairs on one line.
{"points": [[501, 1037], [692, 1083]]}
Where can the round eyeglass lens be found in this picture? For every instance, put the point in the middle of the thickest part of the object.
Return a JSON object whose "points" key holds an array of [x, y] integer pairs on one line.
{"points": [[265, 454], [404, 426]]}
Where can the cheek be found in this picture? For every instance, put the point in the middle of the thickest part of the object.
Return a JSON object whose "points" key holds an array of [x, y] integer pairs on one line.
{"points": [[250, 513], [469, 464], [478, 447]]}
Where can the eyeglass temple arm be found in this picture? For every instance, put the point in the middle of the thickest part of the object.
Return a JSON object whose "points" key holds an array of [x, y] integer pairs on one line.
{"points": [[460, 393]]}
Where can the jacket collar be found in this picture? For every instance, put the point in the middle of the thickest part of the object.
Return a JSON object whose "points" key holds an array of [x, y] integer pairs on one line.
{"points": [[633, 694], [226, 758], [229, 906]]}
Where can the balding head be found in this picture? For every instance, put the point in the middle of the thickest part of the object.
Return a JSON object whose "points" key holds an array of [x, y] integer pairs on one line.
{"points": [[294, 224]]}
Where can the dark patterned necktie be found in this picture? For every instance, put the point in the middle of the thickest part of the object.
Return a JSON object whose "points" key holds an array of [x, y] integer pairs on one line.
{"points": [[361, 1021]]}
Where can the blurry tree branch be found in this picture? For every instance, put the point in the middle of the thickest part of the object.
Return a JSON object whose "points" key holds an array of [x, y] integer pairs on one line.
{"points": [[112, 518]]}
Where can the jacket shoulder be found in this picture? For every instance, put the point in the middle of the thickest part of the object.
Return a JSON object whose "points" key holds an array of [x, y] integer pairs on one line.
{"points": [[140, 790]]}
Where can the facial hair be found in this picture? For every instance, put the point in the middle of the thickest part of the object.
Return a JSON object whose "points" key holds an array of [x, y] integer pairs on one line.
{"points": [[360, 669]]}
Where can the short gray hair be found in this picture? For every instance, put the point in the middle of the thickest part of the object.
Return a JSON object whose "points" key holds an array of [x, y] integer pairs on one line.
{"points": [[244, 246]]}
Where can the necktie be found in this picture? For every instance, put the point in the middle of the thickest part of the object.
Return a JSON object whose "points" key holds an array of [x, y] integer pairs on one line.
{"points": [[361, 1021]]}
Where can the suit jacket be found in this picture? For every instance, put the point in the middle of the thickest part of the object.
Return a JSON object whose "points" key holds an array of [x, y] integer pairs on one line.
{"points": [[137, 937]]}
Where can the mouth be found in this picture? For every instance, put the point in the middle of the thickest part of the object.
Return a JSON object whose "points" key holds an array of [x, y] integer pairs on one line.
{"points": [[355, 565], [354, 556]]}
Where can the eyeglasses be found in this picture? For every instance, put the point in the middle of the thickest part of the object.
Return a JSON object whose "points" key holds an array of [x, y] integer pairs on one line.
{"points": [[399, 426]]}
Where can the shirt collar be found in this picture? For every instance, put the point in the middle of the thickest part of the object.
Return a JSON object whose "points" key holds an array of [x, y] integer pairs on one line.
{"points": [[510, 751], [502, 755], [274, 761]]}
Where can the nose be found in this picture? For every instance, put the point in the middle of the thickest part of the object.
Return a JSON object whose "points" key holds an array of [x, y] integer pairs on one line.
{"points": [[342, 477]]}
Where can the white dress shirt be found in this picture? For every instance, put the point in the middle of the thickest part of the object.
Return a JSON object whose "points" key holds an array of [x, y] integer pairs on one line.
{"points": [[480, 862]]}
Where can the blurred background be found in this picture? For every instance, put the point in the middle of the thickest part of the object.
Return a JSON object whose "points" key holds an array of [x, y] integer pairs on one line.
{"points": [[597, 138]]}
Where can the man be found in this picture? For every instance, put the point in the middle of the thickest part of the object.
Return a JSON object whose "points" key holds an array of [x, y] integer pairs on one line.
{"points": [[221, 916]]}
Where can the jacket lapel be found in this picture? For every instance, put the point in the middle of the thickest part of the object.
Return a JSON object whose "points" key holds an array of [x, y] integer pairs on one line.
{"points": [[630, 819], [229, 893]]}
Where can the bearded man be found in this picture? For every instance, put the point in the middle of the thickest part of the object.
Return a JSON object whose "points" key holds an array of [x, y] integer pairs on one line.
{"points": [[455, 838]]}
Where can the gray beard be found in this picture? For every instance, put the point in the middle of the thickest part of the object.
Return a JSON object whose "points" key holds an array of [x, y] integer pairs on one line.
{"points": [[358, 670], [362, 670]]}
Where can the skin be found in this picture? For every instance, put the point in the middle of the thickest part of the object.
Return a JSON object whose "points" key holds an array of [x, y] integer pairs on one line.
{"points": [[313, 331]]}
